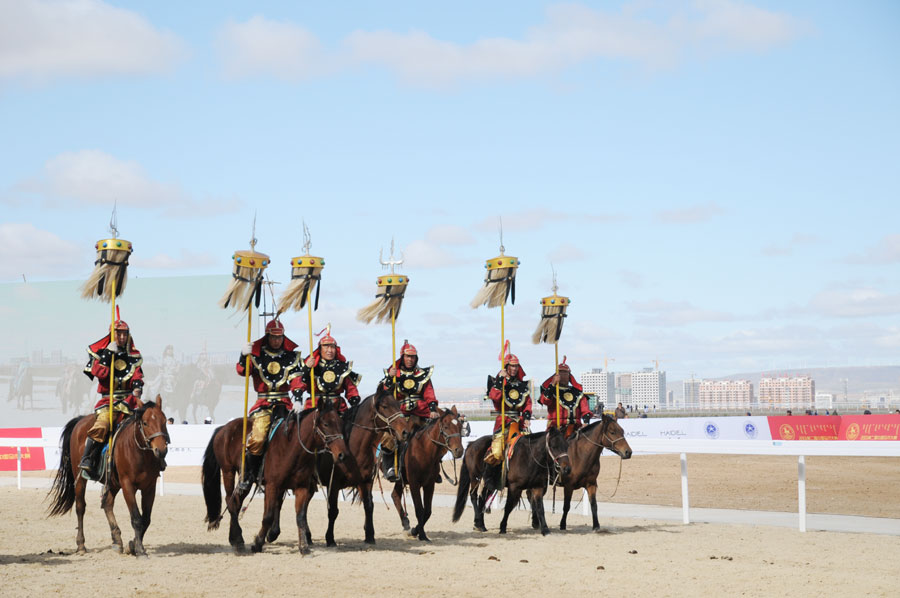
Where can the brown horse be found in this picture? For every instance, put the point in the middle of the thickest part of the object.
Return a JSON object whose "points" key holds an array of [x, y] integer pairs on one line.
{"points": [[364, 426], [535, 459], [139, 454], [585, 447], [420, 463], [289, 464]]}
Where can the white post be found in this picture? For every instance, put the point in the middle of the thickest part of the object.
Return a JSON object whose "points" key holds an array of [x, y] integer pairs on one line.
{"points": [[801, 490], [685, 504], [162, 484], [19, 467], [585, 506]]}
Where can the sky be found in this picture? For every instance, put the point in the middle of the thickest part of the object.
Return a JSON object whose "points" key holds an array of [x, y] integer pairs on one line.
{"points": [[715, 183]]}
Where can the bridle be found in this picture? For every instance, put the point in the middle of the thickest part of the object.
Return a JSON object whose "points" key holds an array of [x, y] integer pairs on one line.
{"points": [[327, 439], [445, 436], [604, 435], [139, 425]]}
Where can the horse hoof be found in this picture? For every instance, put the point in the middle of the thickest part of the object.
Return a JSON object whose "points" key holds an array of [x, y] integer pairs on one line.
{"points": [[480, 528], [562, 528], [369, 541], [130, 549], [502, 531], [270, 537], [256, 547], [423, 537], [405, 525], [330, 543], [304, 551], [545, 531], [81, 550]]}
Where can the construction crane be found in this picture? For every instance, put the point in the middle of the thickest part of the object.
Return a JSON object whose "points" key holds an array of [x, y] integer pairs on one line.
{"points": [[656, 361], [606, 361]]}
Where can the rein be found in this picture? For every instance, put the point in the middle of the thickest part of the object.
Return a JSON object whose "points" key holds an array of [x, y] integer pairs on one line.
{"points": [[139, 425], [446, 445]]}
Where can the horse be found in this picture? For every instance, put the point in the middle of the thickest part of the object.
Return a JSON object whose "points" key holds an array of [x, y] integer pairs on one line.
{"points": [[289, 464], [363, 429], [139, 455], [420, 463], [534, 458], [21, 387], [585, 447]]}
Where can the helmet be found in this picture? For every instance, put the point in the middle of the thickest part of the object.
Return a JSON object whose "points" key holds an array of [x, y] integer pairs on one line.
{"points": [[275, 327], [327, 340], [409, 350], [511, 359], [121, 325]]}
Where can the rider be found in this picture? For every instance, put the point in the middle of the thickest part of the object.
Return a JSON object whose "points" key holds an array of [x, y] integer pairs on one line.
{"points": [[573, 403], [129, 383], [275, 369], [334, 376], [415, 393], [510, 387]]}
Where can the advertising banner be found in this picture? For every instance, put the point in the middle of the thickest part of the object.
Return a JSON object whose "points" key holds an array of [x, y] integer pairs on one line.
{"points": [[32, 457], [697, 428], [804, 427], [870, 427]]}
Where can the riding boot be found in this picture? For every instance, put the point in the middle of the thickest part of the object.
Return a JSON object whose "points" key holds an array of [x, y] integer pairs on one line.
{"points": [[251, 468], [92, 449], [387, 465]]}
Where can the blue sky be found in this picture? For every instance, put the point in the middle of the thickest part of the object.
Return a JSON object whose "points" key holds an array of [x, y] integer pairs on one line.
{"points": [[715, 182]]}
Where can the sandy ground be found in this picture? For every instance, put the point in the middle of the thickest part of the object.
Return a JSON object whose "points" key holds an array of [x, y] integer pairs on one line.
{"points": [[631, 558]]}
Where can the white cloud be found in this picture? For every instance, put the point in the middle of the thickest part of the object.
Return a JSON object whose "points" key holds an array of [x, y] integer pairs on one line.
{"points": [[674, 313], [566, 253], [186, 260], [855, 303], [886, 251], [690, 215], [32, 252], [265, 47], [449, 234], [93, 177], [43, 39], [572, 34], [425, 255], [525, 220], [778, 250]]}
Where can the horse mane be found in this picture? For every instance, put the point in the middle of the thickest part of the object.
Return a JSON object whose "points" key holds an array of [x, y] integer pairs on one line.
{"points": [[593, 424], [350, 416], [429, 423]]}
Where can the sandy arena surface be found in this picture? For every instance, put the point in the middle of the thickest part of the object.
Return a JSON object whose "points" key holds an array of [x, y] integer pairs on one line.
{"points": [[632, 557]]}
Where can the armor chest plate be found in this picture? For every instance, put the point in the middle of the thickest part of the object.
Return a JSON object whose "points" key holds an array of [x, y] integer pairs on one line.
{"points": [[330, 375], [276, 368], [568, 396], [410, 385], [124, 365], [516, 394]]}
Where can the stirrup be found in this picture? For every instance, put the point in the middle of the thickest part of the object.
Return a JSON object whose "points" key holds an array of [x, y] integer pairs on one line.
{"points": [[391, 475]]}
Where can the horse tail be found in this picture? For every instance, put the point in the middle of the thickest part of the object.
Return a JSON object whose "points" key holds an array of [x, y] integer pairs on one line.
{"points": [[462, 492], [62, 493], [212, 480]]}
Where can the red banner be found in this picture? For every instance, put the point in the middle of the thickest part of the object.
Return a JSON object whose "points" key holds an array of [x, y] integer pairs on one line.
{"points": [[32, 457], [805, 427], [870, 427]]}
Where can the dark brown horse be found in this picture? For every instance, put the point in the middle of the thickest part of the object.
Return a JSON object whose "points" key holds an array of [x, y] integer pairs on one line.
{"points": [[420, 463], [585, 447], [289, 465], [535, 460], [139, 454], [364, 426]]}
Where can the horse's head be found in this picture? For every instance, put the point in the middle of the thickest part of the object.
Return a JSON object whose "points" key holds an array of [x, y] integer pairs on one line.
{"points": [[614, 438], [557, 450], [152, 430], [329, 431], [451, 431], [387, 410]]}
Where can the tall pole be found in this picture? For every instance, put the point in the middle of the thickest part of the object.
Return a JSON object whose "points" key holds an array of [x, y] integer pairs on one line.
{"points": [[556, 355], [112, 372], [312, 371], [503, 393], [246, 385]]}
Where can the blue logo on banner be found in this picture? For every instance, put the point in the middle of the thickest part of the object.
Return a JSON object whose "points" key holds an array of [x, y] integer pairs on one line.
{"points": [[750, 430], [712, 430]]}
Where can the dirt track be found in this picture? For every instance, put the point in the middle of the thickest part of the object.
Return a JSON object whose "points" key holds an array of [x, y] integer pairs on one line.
{"points": [[36, 553]]}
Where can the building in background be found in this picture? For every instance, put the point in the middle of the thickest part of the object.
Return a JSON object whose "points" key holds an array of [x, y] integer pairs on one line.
{"points": [[691, 393], [787, 392], [824, 400], [601, 384], [725, 394], [648, 389], [623, 390]]}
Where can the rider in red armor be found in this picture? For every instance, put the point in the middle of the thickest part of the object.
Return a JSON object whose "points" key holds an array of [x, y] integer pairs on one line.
{"points": [[275, 371], [415, 393], [510, 387], [129, 383], [334, 376], [573, 403]]}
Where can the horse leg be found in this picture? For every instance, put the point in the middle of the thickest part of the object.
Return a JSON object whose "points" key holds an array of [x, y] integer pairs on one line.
{"points": [[427, 495], [332, 515], [416, 491], [396, 495], [107, 502], [275, 530], [567, 502], [535, 522], [233, 503], [135, 546], [272, 503], [512, 499], [148, 495], [537, 505], [301, 504], [478, 503], [365, 494], [80, 505], [592, 497]]}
